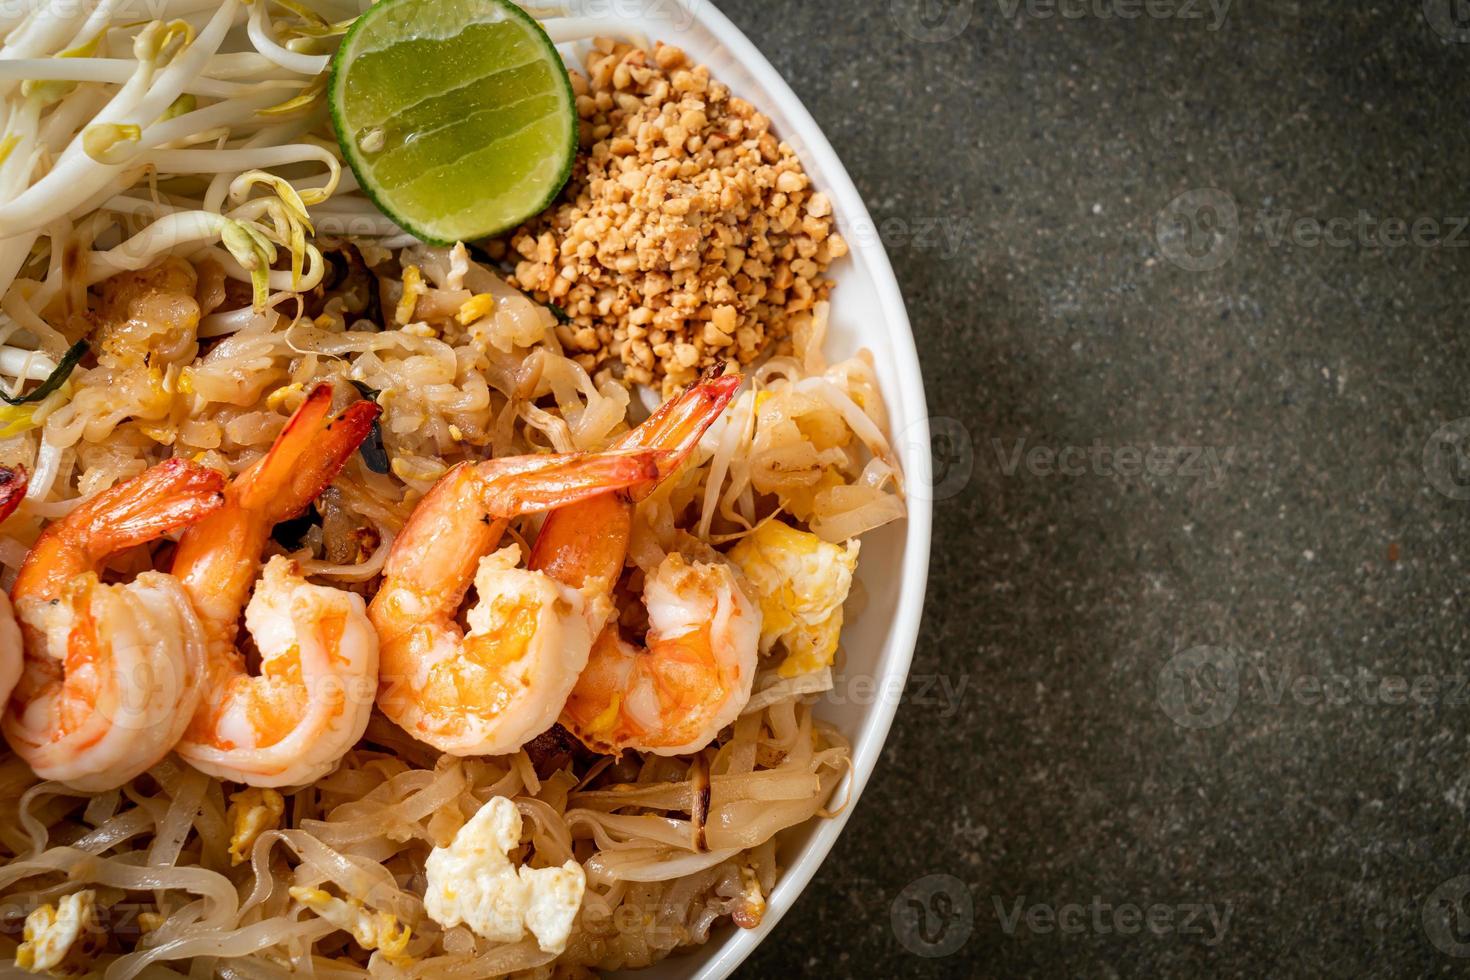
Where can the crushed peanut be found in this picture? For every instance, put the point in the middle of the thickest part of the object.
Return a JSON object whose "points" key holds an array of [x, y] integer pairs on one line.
{"points": [[749, 914], [688, 235]]}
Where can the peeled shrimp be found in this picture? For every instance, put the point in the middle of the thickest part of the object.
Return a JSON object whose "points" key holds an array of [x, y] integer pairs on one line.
{"points": [[490, 690], [693, 675], [111, 672], [310, 703], [586, 544], [689, 679]]}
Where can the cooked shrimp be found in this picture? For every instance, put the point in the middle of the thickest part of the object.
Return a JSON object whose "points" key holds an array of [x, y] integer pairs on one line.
{"points": [[111, 672], [586, 544], [694, 675], [490, 690], [689, 679], [309, 704]]}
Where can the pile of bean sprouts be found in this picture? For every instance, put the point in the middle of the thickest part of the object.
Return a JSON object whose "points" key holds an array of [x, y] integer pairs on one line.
{"points": [[137, 129]]}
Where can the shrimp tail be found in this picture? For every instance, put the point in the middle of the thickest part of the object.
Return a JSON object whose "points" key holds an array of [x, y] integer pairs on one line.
{"points": [[566, 480], [174, 494], [679, 424], [589, 542], [465, 514], [306, 457], [488, 689], [585, 544], [13, 482]]}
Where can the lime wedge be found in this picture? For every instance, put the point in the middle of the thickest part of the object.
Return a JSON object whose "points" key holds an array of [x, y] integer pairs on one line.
{"points": [[457, 116]]}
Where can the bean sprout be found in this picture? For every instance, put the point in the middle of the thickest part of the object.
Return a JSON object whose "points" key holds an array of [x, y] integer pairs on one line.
{"points": [[99, 111]]}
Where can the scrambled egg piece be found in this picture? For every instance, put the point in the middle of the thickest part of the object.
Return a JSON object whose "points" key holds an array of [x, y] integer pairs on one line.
{"points": [[802, 582], [253, 811], [475, 308], [50, 933], [473, 882], [288, 396], [372, 930], [413, 288]]}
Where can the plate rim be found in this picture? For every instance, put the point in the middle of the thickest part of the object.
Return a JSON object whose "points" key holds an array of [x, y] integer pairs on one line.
{"points": [[897, 656], [912, 422]]}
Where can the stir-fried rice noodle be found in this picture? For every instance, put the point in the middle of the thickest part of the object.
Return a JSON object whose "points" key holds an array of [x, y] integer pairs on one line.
{"points": [[157, 852], [215, 294], [670, 847]]}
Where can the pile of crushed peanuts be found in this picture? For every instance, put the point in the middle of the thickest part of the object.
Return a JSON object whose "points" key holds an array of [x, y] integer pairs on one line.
{"points": [[688, 236]]}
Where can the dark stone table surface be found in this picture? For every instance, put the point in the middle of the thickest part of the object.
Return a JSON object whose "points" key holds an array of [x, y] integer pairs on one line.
{"points": [[1190, 289]]}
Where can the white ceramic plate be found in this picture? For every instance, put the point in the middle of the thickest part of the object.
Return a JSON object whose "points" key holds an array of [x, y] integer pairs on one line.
{"points": [[867, 311]]}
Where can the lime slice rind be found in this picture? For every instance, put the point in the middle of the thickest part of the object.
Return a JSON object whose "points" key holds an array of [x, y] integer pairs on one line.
{"points": [[456, 116]]}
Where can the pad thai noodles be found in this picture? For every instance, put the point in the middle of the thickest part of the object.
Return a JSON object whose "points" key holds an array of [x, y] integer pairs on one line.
{"points": [[354, 622]]}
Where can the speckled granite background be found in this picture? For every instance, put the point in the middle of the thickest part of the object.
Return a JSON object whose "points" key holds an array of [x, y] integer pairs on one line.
{"points": [[1213, 717]]}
